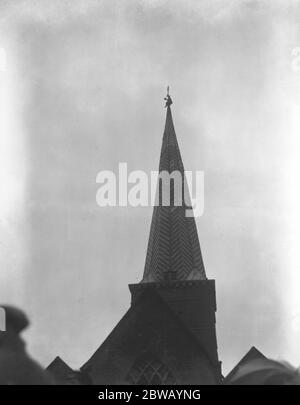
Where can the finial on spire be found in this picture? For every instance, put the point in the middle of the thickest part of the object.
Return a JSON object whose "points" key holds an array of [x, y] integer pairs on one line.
{"points": [[168, 98]]}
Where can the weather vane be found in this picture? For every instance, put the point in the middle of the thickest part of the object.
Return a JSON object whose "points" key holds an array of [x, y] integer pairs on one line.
{"points": [[168, 98]]}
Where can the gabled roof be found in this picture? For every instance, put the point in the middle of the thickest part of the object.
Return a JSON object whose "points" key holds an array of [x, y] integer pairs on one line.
{"points": [[252, 354], [63, 373], [173, 247], [58, 365], [151, 309]]}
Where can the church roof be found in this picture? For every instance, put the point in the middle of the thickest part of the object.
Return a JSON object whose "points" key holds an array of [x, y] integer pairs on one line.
{"points": [[59, 365], [149, 326], [173, 248], [252, 354], [63, 373]]}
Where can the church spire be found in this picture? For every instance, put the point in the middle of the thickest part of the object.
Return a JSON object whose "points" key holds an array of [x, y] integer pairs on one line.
{"points": [[173, 249]]}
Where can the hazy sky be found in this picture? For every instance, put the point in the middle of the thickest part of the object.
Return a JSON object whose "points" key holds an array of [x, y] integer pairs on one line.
{"points": [[82, 90]]}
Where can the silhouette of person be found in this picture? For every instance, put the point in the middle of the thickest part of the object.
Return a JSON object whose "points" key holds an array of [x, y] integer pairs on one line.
{"points": [[16, 367], [168, 100]]}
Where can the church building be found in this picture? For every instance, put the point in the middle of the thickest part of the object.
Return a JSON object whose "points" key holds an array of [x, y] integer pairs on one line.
{"points": [[168, 335]]}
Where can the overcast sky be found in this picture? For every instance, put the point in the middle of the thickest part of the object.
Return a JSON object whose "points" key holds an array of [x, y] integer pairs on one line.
{"points": [[82, 90]]}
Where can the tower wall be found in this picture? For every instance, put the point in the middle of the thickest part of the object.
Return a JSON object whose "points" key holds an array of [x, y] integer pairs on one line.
{"points": [[194, 302]]}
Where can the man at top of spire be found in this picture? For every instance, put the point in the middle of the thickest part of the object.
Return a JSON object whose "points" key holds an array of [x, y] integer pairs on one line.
{"points": [[168, 98]]}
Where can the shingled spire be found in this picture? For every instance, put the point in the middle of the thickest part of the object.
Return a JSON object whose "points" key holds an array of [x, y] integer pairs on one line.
{"points": [[173, 249]]}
